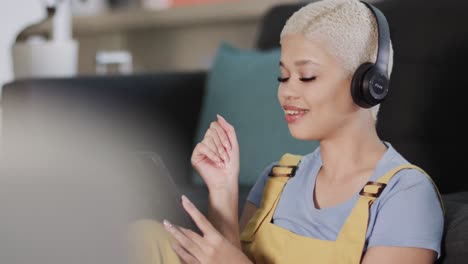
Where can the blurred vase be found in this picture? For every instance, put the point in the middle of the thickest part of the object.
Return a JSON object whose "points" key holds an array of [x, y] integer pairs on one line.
{"points": [[47, 55], [45, 59]]}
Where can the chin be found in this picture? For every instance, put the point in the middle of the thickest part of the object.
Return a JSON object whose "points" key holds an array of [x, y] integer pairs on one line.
{"points": [[302, 134]]}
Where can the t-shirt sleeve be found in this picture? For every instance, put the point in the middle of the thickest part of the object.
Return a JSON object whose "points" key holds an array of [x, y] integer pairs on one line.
{"points": [[410, 215], [255, 194]]}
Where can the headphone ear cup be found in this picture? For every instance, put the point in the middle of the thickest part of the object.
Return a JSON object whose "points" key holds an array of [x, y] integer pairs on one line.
{"points": [[357, 85]]}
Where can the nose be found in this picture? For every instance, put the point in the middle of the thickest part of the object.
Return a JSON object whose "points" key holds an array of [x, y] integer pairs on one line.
{"points": [[288, 91]]}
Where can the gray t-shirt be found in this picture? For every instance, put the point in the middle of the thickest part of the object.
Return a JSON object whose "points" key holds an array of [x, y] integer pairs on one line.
{"points": [[407, 213]]}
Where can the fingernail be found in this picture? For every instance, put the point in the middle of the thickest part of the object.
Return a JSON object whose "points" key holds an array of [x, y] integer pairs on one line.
{"points": [[167, 223], [222, 118], [185, 199]]}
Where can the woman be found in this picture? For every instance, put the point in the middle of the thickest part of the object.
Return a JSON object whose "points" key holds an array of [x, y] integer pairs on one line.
{"points": [[320, 215]]}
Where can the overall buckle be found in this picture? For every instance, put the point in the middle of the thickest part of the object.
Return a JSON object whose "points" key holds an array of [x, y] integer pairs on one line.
{"points": [[379, 190], [291, 174]]}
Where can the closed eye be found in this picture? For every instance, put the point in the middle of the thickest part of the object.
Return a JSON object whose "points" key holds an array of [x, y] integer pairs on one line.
{"points": [[308, 79], [302, 79]]}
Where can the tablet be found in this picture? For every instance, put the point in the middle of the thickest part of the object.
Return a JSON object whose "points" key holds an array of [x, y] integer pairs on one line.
{"points": [[161, 192]]}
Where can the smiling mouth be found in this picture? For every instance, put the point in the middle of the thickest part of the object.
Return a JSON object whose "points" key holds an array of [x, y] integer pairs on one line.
{"points": [[291, 116], [295, 112]]}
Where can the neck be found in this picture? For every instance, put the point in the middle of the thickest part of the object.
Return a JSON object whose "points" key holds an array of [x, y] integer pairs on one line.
{"points": [[355, 148]]}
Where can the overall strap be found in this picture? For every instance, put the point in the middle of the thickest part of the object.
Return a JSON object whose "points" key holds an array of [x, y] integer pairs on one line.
{"points": [[278, 176], [355, 228], [386, 178], [287, 166]]}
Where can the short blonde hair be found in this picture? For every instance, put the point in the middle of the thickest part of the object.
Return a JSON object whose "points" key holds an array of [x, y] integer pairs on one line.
{"points": [[348, 27]]}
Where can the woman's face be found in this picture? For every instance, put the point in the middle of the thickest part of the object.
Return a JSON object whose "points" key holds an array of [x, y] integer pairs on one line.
{"points": [[312, 79]]}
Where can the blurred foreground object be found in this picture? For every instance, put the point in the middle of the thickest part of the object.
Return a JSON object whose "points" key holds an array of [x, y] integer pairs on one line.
{"points": [[73, 183]]}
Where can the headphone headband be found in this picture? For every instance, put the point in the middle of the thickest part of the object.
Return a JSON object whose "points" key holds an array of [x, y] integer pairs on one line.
{"points": [[370, 83], [383, 50]]}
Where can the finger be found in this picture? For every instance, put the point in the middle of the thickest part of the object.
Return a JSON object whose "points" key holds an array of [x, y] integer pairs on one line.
{"points": [[200, 220], [192, 236], [216, 144], [222, 140], [183, 254], [202, 150], [191, 247], [209, 142], [222, 133], [205, 150], [230, 131], [217, 140]]}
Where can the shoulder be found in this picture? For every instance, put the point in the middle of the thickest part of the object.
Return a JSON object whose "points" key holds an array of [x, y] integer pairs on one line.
{"points": [[411, 184], [412, 179], [409, 211], [256, 191], [410, 192]]}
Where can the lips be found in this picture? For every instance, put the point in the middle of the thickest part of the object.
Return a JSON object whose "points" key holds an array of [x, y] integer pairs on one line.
{"points": [[293, 113], [294, 108]]}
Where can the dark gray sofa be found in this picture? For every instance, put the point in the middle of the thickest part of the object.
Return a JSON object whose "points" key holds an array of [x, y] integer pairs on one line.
{"points": [[421, 116]]}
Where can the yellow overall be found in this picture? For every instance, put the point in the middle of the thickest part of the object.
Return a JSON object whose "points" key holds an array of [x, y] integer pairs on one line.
{"points": [[265, 242]]}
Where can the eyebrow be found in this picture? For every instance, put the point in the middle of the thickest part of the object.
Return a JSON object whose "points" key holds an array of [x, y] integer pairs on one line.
{"points": [[301, 62]]}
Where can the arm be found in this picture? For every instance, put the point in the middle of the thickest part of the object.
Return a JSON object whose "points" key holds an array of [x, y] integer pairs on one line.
{"points": [[247, 213], [221, 205], [222, 213], [216, 159], [231, 233], [409, 226], [222, 182], [400, 255]]}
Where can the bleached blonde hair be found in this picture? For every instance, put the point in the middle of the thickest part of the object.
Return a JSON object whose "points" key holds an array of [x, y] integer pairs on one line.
{"points": [[348, 28]]}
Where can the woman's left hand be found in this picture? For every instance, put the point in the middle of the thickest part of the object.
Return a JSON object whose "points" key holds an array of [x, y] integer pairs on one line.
{"points": [[212, 247]]}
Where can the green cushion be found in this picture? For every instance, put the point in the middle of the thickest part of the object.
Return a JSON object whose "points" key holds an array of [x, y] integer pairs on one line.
{"points": [[242, 86]]}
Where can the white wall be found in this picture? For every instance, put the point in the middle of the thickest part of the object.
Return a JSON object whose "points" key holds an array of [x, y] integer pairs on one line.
{"points": [[14, 16]]}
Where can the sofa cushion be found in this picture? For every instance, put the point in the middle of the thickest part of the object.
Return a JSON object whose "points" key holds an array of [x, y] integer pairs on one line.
{"points": [[455, 242], [242, 87]]}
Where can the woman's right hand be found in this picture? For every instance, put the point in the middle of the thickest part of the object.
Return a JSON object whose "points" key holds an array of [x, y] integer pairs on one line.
{"points": [[216, 157]]}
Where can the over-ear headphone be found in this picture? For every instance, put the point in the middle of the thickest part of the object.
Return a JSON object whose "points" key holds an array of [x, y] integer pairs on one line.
{"points": [[370, 82]]}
